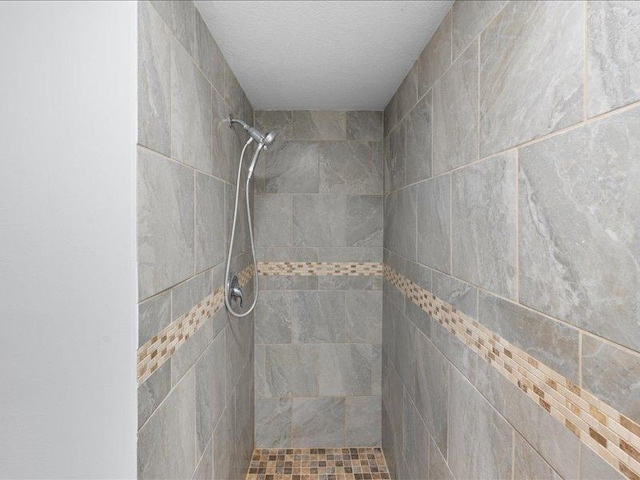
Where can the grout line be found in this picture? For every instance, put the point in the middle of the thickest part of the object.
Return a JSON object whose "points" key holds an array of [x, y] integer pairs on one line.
{"points": [[585, 64], [517, 239]]}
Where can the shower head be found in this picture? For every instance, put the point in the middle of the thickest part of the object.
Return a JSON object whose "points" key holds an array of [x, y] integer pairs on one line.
{"points": [[264, 140]]}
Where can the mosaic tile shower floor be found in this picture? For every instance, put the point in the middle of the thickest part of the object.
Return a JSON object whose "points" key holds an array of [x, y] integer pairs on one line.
{"points": [[318, 464]]}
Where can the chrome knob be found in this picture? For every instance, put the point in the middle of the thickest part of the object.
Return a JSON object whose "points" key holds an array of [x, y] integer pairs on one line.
{"points": [[235, 292]]}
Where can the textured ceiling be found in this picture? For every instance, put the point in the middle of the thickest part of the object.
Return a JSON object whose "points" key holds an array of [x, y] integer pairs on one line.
{"points": [[347, 55]]}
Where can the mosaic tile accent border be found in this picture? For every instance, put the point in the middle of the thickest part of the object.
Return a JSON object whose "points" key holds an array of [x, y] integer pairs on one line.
{"points": [[318, 464], [607, 432], [159, 348], [357, 269]]}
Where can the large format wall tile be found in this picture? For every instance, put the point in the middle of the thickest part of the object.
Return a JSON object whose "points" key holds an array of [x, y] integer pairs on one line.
{"points": [[180, 16], [191, 112], [279, 120], [613, 54], [225, 153], [344, 369], [455, 114], [529, 85], [418, 141], [416, 440], [550, 341], [436, 57], [272, 219], [529, 464], [364, 125], [484, 224], [319, 125], [395, 158], [154, 81], [318, 421], [363, 312], [291, 167], [210, 226], [400, 222], [153, 315], [166, 443], [273, 317], [579, 200], [434, 223], [480, 440], [363, 418], [153, 391], [611, 373], [319, 220], [273, 422], [364, 221], [317, 317], [459, 294], [291, 370], [470, 17], [165, 223], [349, 167], [208, 55]]}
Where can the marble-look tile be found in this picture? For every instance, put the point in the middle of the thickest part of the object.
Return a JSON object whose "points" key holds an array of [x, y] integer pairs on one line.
{"points": [[364, 221], [223, 444], [279, 120], [613, 60], [464, 359], [191, 112], [210, 232], [579, 200], [408, 92], [400, 222], [165, 223], [291, 370], [186, 295], [363, 420], [204, 470], [551, 342], [317, 317], [291, 167], [208, 55], [363, 312], [392, 394], [186, 355], [349, 168], [344, 369], [593, 467], [415, 441], [420, 275], [211, 390], [273, 317], [455, 114], [529, 464], [364, 125], [154, 81], [395, 159], [484, 242], [436, 56], [431, 401], [529, 86], [244, 422], [180, 16], [470, 17], [611, 373], [319, 125], [390, 115], [349, 283], [153, 315], [376, 369], [225, 153], [153, 391], [438, 467], [272, 219], [319, 220], [273, 422], [233, 93], [418, 141], [434, 223], [166, 443], [480, 440], [459, 294], [318, 422], [389, 314], [389, 444], [239, 344]]}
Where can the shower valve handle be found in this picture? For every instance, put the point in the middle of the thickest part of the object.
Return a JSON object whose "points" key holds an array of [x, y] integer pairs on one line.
{"points": [[235, 292]]}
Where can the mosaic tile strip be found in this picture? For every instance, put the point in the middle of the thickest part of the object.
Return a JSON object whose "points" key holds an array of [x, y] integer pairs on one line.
{"points": [[356, 269], [603, 429], [159, 348], [318, 464]]}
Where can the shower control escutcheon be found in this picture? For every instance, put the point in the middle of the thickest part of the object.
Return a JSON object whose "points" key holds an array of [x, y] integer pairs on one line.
{"points": [[235, 292]]}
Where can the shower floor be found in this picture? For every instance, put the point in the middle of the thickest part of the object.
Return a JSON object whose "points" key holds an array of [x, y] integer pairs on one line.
{"points": [[318, 464]]}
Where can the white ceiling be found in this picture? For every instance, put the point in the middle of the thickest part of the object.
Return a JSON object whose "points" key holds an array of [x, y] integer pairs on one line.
{"points": [[322, 55]]}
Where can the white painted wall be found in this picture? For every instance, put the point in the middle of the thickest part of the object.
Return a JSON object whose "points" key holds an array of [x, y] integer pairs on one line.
{"points": [[67, 240]]}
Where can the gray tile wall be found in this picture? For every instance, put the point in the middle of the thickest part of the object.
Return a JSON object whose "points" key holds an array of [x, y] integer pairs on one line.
{"points": [[318, 339], [195, 413], [511, 192]]}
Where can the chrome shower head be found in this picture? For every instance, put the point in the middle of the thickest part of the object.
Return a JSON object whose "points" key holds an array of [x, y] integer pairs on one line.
{"points": [[264, 140], [269, 138]]}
